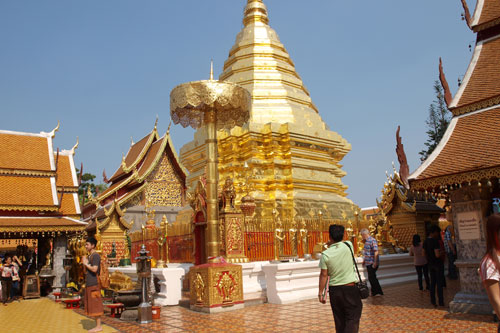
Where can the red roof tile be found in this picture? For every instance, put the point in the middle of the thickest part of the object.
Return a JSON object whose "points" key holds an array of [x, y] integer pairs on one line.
{"points": [[474, 144], [135, 153], [484, 83], [489, 12]]}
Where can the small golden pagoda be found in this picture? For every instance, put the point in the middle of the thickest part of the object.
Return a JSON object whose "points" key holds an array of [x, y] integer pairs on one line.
{"points": [[293, 157]]}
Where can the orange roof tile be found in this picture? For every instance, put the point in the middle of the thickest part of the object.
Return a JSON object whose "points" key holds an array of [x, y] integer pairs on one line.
{"points": [[490, 12], [64, 172], [26, 191], [484, 82], [474, 144], [68, 204], [25, 152]]}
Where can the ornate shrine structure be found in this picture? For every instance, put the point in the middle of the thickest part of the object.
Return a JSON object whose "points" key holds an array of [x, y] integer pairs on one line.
{"points": [[408, 212], [465, 166], [293, 157], [149, 184], [39, 196]]}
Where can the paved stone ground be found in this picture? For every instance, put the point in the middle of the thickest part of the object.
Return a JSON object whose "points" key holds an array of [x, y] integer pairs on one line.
{"points": [[43, 315], [402, 309]]}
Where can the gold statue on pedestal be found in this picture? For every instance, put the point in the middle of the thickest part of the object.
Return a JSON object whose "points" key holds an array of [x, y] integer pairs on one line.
{"points": [[279, 240], [304, 237], [98, 247], [293, 238], [161, 241]]}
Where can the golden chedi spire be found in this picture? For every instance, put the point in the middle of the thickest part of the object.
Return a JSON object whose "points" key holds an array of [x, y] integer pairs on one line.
{"points": [[286, 139], [255, 11]]}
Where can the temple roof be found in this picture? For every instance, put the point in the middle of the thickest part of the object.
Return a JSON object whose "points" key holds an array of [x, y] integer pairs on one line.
{"points": [[481, 84], [28, 193], [135, 155], [26, 151], [33, 176], [486, 14], [140, 161], [470, 145]]}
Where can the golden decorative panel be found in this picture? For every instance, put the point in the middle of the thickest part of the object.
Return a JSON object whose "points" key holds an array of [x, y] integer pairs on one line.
{"points": [[164, 186], [216, 285]]}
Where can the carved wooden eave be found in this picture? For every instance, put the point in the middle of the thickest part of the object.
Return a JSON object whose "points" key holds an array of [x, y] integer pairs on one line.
{"points": [[114, 190], [115, 208], [132, 194]]}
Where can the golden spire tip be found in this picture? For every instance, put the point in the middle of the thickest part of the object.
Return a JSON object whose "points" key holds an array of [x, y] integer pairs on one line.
{"points": [[211, 69]]}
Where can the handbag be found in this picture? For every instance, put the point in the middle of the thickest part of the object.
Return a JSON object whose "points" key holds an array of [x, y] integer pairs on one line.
{"points": [[364, 292]]}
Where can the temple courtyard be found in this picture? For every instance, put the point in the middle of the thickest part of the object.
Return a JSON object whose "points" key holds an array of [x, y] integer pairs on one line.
{"points": [[403, 308]]}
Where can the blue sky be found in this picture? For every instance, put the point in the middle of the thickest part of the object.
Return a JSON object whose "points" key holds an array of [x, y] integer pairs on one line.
{"points": [[105, 69]]}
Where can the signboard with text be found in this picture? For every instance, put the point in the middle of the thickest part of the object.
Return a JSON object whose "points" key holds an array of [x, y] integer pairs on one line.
{"points": [[468, 224]]}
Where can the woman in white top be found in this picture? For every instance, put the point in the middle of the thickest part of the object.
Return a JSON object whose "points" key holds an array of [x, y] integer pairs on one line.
{"points": [[490, 264]]}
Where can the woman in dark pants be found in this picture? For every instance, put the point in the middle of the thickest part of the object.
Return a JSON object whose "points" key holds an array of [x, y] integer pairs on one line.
{"points": [[420, 262]]}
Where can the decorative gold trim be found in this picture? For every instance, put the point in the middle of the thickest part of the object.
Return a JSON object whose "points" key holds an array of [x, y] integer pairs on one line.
{"points": [[21, 172], [133, 176], [475, 106], [20, 207], [132, 194], [28, 229], [153, 164], [464, 177]]}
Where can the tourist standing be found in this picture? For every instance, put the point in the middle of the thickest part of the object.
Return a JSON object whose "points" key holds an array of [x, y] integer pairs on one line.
{"points": [[16, 280], [490, 264], [420, 262], [337, 264], [451, 253], [92, 299], [6, 273], [436, 266], [371, 261]]}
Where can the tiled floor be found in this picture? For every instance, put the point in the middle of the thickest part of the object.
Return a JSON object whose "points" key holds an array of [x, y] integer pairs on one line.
{"points": [[403, 309], [43, 315]]}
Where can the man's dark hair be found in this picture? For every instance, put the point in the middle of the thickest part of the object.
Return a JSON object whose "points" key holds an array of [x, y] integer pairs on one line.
{"points": [[336, 232], [92, 241]]}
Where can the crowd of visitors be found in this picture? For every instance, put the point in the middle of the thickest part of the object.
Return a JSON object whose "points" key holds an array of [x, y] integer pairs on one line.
{"points": [[13, 268]]}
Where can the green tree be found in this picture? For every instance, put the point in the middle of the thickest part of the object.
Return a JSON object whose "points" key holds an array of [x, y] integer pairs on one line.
{"points": [[86, 183], [437, 122]]}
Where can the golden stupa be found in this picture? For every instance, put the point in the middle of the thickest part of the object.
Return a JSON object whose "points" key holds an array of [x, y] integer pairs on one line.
{"points": [[286, 156]]}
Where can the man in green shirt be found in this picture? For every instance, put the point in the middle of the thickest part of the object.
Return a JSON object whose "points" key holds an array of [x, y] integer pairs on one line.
{"points": [[337, 264]]}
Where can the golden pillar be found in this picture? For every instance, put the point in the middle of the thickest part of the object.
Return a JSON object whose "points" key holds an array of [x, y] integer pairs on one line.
{"points": [[214, 105]]}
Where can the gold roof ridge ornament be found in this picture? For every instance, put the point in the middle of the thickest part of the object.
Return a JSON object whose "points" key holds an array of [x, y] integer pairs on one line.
{"points": [[214, 105]]}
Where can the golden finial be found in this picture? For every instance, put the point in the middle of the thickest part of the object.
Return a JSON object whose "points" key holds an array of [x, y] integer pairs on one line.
{"points": [[131, 141], [255, 11], [53, 132], [211, 69], [156, 123], [168, 129], [75, 146], [124, 165]]}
